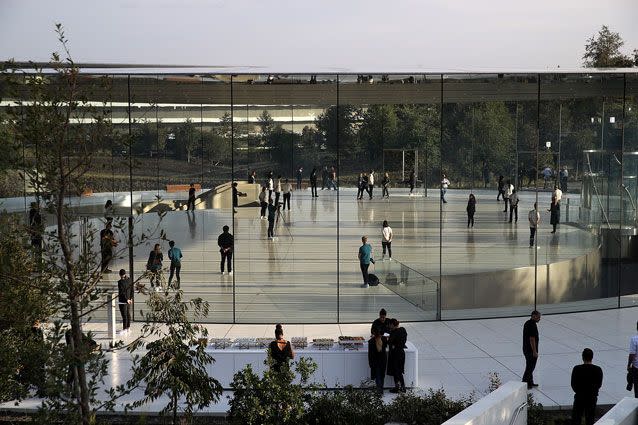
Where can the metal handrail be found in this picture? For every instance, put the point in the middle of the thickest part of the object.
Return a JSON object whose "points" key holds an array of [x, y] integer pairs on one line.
{"points": [[518, 412]]}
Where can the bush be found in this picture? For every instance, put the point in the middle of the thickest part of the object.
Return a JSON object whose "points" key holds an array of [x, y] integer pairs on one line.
{"points": [[347, 407], [432, 408]]}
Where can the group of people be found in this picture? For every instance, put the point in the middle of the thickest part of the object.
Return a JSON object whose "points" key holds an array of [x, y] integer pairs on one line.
{"points": [[365, 183], [386, 352], [586, 378]]}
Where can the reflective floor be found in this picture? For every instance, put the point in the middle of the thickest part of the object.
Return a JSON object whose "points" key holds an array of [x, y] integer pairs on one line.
{"points": [[294, 278]]}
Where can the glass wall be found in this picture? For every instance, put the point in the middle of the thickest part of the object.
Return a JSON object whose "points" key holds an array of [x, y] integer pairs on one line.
{"points": [[454, 164]]}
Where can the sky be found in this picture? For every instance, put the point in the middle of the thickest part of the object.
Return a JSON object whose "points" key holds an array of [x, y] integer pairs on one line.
{"points": [[322, 35]]}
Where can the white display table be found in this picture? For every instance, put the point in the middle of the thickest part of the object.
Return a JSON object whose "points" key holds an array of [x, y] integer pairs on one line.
{"points": [[336, 367]]}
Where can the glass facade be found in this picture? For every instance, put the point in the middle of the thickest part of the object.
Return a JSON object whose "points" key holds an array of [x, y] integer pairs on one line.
{"points": [[429, 140]]}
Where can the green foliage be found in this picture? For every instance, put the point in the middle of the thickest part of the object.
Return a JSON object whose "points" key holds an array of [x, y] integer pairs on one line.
{"points": [[535, 413], [339, 126], [431, 408], [603, 51], [273, 398], [266, 124], [174, 364], [349, 406]]}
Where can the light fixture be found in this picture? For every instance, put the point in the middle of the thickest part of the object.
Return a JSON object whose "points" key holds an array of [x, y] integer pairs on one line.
{"points": [[612, 120], [548, 145]]}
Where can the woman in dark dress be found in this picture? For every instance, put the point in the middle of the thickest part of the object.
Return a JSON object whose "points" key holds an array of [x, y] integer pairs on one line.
{"points": [[378, 357], [554, 211], [154, 265], [396, 355], [471, 209], [280, 350]]}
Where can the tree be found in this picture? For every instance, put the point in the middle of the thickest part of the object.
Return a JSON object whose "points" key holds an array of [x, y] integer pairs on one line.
{"points": [[266, 124], [378, 131], [175, 361], [338, 126], [603, 51], [186, 139]]}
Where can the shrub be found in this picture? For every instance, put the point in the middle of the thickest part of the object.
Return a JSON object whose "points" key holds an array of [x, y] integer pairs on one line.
{"points": [[431, 408], [347, 407]]}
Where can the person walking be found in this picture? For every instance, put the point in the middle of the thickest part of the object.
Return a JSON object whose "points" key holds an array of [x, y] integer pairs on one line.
{"points": [[272, 212], [587, 378], [365, 258], [107, 242], [190, 204], [313, 182], [514, 206], [554, 214], [277, 189], [471, 209], [386, 241], [175, 255], [125, 299], [370, 183], [396, 355], [378, 357], [332, 178], [509, 188], [361, 185], [263, 203], [226, 243], [632, 363], [563, 176], [385, 183], [500, 188], [287, 190], [530, 348], [270, 184], [299, 177], [534, 218], [412, 182], [154, 266], [324, 177], [444, 185]]}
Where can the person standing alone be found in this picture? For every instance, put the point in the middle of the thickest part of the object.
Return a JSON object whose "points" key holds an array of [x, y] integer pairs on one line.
{"points": [[386, 242], [509, 188], [125, 299], [190, 204], [263, 203], [530, 348], [385, 184], [287, 191], [534, 218], [444, 185], [471, 209], [365, 258], [514, 206], [313, 182], [587, 379], [272, 212], [175, 255], [226, 243], [370, 183]]}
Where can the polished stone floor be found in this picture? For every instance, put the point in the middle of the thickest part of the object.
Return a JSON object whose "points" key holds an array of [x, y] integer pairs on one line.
{"points": [[310, 273]]}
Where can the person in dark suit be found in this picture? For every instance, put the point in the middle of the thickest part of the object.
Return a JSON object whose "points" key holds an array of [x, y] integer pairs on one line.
{"points": [[530, 348], [377, 357], [554, 211], [587, 379], [125, 299], [190, 204], [396, 355], [313, 182]]}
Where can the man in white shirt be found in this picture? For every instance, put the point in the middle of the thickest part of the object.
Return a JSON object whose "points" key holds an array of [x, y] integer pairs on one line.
{"points": [[444, 185], [371, 183], [534, 218], [558, 194], [632, 362], [509, 187]]}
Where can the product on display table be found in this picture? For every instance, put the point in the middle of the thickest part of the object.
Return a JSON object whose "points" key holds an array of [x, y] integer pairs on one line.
{"points": [[299, 341], [220, 343], [351, 342], [322, 343], [245, 343]]}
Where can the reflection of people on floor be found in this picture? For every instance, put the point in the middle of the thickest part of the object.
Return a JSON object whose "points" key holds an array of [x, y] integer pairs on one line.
{"points": [[405, 274], [471, 209], [377, 357], [534, 218], [396, 355], [313, 212], [192, 224], [587, 379], [280, 350], [514, 206], [226, 243], [554, 214]]}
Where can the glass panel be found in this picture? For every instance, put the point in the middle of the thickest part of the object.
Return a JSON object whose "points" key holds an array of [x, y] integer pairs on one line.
{"points": [[293, 277], [489, 139]]}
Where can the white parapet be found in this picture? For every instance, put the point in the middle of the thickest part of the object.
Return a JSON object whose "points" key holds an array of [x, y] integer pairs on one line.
{"points": [[623, 413], [505, 406]]}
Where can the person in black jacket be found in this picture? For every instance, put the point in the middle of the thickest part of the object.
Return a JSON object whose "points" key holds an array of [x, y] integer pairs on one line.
{"points": [[377, 357], [154, 266], [554, 214], [396, 355], [226, 244], [190, 204], [530, 348], [587, 379], [125, 299], [280, 350], [381, 323], [313, 182], [471, 209]]}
